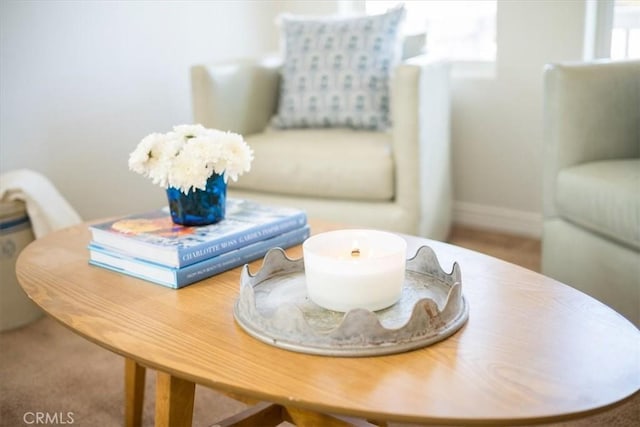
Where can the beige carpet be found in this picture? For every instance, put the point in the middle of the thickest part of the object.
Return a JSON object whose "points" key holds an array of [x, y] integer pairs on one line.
{"points": [[46, 368]]}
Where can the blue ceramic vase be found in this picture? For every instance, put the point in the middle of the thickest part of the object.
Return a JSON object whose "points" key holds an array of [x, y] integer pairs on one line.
{"points": [[199, 207]]}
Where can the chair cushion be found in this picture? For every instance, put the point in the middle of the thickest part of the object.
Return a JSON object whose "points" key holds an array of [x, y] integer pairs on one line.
{"points": [[336, 71], [327, 163], [603, 197]]}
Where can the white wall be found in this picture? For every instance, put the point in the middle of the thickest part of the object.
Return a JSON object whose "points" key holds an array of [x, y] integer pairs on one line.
{"points": [[82, 82], [497, 123]]}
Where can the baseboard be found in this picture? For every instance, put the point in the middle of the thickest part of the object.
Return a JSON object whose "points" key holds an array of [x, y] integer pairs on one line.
{"points": [[498, 219]]}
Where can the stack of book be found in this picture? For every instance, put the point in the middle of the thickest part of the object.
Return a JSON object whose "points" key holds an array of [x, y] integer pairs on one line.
{"points": [[151, 247]]}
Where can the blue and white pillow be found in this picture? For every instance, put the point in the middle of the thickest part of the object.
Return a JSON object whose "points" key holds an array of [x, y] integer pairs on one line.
{"points": [[336, 71]]}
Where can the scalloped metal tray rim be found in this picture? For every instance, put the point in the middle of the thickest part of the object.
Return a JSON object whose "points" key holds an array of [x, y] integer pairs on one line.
{"points": [[276, 263]]}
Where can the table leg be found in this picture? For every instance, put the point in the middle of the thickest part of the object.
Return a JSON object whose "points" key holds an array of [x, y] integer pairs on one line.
{"points": [[174, 401], [134, 376]]}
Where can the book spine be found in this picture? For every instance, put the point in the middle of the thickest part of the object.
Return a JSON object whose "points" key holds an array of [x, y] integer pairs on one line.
{"points": [[107, 266], [177, 278], [240, 239], [195, 272]]}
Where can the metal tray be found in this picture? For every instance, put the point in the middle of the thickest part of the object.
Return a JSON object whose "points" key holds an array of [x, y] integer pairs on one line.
{"points": [[273, 307]]}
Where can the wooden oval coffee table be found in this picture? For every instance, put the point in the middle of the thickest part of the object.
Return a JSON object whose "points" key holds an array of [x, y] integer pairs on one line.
{"points": [[533, 349]]}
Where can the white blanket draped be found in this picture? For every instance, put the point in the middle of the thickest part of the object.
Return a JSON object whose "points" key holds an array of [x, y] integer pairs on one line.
{"points": [[48, 210]]}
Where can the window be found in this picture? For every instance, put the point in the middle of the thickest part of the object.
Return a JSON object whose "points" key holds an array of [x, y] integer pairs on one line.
{"points": [[625, 34], [459, 30], [612, 29]]}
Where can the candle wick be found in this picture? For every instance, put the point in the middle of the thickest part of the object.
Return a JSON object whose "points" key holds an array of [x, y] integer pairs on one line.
{"points": [[355, 252]]}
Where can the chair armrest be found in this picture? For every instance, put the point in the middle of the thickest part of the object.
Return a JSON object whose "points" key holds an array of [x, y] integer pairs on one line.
{"points": [[591, 113], [240, 96], [420, 109]]}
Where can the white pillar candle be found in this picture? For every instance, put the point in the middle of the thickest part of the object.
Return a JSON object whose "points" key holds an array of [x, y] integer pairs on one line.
{"points": [[349, 269]]}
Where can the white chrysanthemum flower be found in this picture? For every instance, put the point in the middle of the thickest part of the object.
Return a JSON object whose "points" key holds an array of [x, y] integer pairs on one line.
{"points": [[153, 157], [189, 170], [141, 157], [188, 156], [237, 156], [205, 147], [189, 131]]}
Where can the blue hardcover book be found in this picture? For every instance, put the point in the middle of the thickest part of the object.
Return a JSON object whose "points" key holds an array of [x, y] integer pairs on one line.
{"points": [[152, 236], [180, 277]]}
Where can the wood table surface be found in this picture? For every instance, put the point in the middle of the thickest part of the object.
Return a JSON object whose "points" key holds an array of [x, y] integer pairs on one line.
{"points": [[533, 349]]}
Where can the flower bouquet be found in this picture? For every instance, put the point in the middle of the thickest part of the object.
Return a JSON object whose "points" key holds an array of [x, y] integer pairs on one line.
{"points": [[193, 164]]}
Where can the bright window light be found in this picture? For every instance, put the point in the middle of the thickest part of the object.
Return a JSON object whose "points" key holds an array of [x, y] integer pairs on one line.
{"points": [[457, 30], [625, 36], [634, 43]]}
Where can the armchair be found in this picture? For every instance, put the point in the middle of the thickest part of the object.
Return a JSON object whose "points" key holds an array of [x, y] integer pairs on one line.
{"points": [[591, 230], [397, 180]]}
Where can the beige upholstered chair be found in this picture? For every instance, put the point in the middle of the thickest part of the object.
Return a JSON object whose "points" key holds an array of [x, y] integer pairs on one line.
{"points": [[591, 237], [396, 180]]}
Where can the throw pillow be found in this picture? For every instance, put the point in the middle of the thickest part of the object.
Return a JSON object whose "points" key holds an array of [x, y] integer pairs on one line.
{"points": [[336, 71]]}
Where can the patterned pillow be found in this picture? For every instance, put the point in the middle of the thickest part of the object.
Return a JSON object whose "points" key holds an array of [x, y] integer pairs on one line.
{"points": [[336, 71]]}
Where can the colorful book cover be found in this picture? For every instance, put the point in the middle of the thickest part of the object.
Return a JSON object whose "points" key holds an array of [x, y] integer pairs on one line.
{"points": [[154, 237], [180, 277]]}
